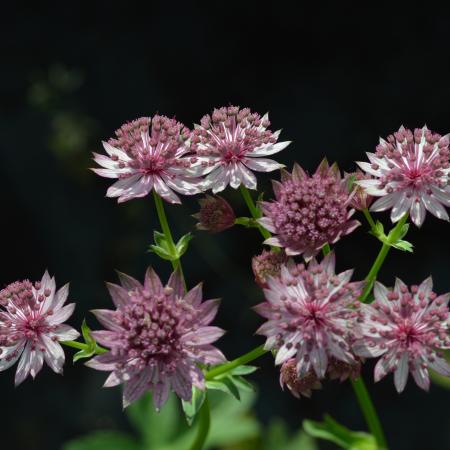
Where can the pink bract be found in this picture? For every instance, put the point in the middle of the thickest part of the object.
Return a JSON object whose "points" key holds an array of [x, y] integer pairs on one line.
{"points": [[308, 211], [406, 327], [158, 336], [149, 153], [233, 142], [410, 174], [31, 326], [311, 313]]}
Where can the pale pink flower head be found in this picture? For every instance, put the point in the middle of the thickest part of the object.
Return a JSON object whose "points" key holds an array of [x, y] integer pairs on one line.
{"points": [[410, 174], [406, 327], [298, 386], [32, 324], [308, 211], [158, 336], [268, 263], [233, 142], [311, 313], [215, 214], [149, 153]]}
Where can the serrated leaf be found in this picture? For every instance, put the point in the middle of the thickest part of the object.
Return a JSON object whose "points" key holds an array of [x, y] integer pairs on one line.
{"points": [[183, 244], [192, 408]]}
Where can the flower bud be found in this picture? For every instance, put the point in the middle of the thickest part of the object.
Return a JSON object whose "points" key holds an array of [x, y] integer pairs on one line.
{"points": [[215, 214], [298, 386], [268, 263]]}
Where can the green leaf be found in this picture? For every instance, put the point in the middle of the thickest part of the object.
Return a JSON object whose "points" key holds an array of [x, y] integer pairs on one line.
{"points": [[192, 408], [243, 385], [403, 245], [161, 252], [439, 379], [243, 370], [332, 431], [183, 244], [224, 385], [103, 440], [89, 341], [160, 239], [350, 182], [248, 222]]}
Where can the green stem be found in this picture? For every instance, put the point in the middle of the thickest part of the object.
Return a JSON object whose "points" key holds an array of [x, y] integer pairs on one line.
{"points": [[326, 249], [244, 359], [204, 422], [176, 264], [369, 412], [369, 218], [372, 275], [81, 346], [254, 211]]}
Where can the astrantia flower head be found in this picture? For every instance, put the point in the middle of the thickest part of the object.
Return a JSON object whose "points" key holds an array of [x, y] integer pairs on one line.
{"points": [[268, 263], [411, 174], [233, 142], [309, 211], [215, 214], [31, 324], [157, 337], [298, 386], [149, 153], [406, 327], [311, 312]]}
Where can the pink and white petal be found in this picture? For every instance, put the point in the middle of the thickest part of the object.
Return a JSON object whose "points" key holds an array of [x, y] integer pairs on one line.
{"points": [[105, 162], [106, 361], [269, 149], [197, 377], [127, 282], [441, 195], [37, 361], [114, 151], [152, 282], [267, 224], [285, 353], [401, 207], [104, 337], [106, 173], [107, 318], [65, 333], [61, 315], [248, 178], [372, 187], [160, 394], [182, 184], [53, 354], [194, 296], [182, 385], [217, 180], [440, 365], [119, 295], [420, 375], [319, 361], [435, 208], [176, 283], [235, 175], [417, 212], [273, 241], [24, 366], [122, 186], [367, 167], [139, 189], [207, 311], [385, 202], [400, 287], [262, 164], [16, 350], [165, 192], [112, 380], [401, 373], [202, 336], [136, 387], [384, 366], [381, 292], [207, 354]]}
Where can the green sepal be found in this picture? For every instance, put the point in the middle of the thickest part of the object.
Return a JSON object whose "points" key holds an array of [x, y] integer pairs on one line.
{"points": [[183, 244], [248, 222], [89, 341], [399, 244], [191, 408], [330, 430], [164, 250]]}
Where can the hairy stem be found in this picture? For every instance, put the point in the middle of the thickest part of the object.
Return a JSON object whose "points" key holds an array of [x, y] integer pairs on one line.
{"points": [[204, 422], [370, 414], [385, 248], [244, 359]]}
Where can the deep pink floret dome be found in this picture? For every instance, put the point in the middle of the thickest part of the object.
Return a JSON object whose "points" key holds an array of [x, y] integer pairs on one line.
{"points": [[146, 154], [308, 211], [411, 174], [158, 337], [311, 313], [32, 324], [231, 143], [406, 328]]}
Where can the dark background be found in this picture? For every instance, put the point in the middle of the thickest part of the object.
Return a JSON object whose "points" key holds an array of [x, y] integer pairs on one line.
{"points": [[334, 78]]}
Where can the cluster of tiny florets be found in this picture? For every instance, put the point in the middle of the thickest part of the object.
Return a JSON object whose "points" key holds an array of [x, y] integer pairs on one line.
{"points": [[309, 211], [311, 315], [230, 144], [157, 337], [407, 327], [268, 263], [411, 173]]}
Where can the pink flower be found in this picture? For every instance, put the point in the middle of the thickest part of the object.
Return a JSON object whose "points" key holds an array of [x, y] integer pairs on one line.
{"points": [[268, 263], [298, 386], [310, 315], [158, 336], [215, 214], [149, 153], [411, 174], [231, 143], [31, 325], [406, 327], [309, 211]]}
